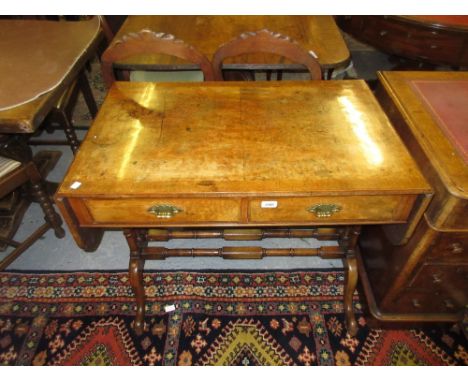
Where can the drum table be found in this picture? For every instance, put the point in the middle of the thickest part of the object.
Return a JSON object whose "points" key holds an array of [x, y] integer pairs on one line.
{"points": [[240, 161]]}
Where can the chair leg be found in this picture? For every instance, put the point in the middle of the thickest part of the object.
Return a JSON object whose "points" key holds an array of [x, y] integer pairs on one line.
{"points": [[69, 131], [24, 246], [83, 84], [52, 218]]}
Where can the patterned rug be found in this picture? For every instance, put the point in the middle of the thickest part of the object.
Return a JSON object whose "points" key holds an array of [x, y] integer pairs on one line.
{"points": [[235, 318]]}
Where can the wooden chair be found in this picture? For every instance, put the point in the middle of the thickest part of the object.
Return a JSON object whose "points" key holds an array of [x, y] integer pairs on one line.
{"points": [[61, 114], [13, 174], [265, 41], [149, 42]]}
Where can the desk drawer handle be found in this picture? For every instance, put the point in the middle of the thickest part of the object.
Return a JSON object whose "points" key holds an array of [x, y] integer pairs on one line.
{"points": [[449, 304], [324, 210], [436, 278], [164, 211], [456, 248]]}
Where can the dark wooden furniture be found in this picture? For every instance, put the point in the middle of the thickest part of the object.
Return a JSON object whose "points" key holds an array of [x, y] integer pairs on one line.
{"points": [[241, 161], [60, 115], [146, 42], [437, 40], [34, 91], [13, 174], [425, 279], [265, 41], [31, 85], [206, 33]]}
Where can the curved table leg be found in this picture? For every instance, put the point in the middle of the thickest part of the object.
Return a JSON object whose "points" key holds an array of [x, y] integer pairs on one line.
{"points": [[136, 281], [348, 242], [135, 272], [351, 278]]}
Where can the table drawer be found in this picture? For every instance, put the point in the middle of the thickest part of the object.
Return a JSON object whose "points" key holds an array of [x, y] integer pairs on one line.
{"points": [[449, 247], [452, 278], [435, 288], [390, 208], [163, 211], [414, 301]]}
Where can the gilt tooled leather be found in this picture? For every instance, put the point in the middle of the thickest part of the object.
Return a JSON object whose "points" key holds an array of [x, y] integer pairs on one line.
{"points": [[36, 55]]}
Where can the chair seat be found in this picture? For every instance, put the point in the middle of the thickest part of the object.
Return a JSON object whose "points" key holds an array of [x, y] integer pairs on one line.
{"points": [[7, 165], [167, 76]]}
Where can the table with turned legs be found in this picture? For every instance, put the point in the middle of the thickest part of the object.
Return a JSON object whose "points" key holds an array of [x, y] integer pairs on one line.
{"points": [[240, 161]]}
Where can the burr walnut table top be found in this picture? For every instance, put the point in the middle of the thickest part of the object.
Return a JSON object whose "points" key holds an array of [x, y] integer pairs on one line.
{"points": [[244, 140], [206, 33]]}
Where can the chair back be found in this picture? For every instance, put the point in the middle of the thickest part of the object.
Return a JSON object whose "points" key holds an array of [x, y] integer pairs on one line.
{"points": [[149, 42], [265, 41]]}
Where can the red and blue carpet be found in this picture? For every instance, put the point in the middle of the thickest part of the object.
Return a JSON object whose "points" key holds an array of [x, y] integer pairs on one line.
{"points": [[235, 318]]}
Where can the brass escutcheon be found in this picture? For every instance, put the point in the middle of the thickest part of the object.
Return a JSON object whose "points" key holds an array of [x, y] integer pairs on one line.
{"points": [[324, 210], [164, 211]]}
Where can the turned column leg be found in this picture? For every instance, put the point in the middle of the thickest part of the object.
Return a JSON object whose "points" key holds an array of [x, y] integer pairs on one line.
{"points": [[38, 190], [69, 130], [135, 271], [349, 242]]}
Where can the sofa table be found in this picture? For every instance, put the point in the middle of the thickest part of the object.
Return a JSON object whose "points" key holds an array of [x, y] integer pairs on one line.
{"points": [[240, 161]]}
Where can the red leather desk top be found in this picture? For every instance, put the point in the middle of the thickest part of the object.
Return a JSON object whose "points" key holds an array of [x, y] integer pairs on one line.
{"points": [[448, 102]]}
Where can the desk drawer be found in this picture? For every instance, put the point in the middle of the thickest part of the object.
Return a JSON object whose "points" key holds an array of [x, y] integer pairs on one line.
{"points": [[437, 302], [449, 247], [452, 278], [435, 288], [163, 211], [390, 208]]}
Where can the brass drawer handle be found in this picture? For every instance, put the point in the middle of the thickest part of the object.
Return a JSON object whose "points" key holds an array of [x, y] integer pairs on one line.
{"points": [[449, 304], [436, 278], [456, 248], [324, 210], [164, 211]]}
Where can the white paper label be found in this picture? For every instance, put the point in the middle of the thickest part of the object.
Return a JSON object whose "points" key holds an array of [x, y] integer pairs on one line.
{"points": [[169, 308], [75, 185], [269, 204]]}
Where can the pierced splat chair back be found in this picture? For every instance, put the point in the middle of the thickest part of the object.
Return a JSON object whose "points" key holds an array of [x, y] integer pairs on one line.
{"points": [[149, 42], [265, 41]]}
